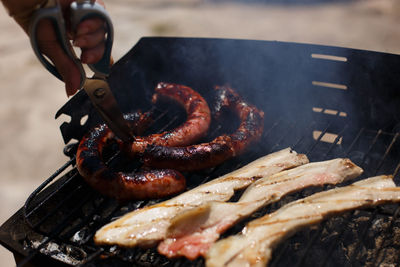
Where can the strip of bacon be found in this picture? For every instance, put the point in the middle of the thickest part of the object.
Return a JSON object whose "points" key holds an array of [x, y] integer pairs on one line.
{"points": [[192, 234], [253, 247], [147, 226]]}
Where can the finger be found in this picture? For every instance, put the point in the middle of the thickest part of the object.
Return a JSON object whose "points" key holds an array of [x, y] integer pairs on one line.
{"points": [[49, 45], [89, 26], [101, 3], [92, 55], [90, 40]]}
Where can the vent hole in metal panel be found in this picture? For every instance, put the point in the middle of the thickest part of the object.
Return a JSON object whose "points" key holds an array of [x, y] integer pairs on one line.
{"points": [[330, 85], [327, 137], [329, 57]]}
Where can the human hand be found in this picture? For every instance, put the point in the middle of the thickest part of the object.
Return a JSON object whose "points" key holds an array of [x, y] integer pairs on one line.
{"points": [[89, 37]]}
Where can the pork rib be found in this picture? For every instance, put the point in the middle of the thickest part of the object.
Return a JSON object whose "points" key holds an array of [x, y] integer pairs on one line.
{"points": [[253, 247], [147, 226], [192, 234]]}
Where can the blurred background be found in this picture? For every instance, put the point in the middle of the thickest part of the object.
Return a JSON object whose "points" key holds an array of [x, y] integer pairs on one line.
{"points": [[30, 141]]}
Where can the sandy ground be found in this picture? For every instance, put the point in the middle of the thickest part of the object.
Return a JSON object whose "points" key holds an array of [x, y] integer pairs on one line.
{"points": [[30, 141]]}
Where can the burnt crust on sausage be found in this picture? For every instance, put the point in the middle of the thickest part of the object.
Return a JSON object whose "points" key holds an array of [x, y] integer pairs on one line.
{"points": [[193, 129], [224, 147], [141, 184]]}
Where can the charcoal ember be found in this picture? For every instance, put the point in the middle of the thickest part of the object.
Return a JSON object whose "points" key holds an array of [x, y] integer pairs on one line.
{"points": [[82, 236], [65, 253], [150, 257], [396, 236], [138, 256]]}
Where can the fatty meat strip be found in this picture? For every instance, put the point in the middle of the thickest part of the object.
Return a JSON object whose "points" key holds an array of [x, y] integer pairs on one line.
{"points": [[192, 233], [253, 247], [147, 226]]}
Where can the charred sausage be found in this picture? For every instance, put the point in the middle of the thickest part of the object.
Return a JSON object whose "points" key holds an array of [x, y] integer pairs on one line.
{"points": [[194, 128], [142, 184], [206, 155]]}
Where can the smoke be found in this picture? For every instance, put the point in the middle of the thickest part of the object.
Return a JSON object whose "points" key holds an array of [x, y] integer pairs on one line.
{"points": [[311, 86]]}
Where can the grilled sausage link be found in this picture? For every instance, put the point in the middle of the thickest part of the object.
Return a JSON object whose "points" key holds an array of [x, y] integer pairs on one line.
{"points": [[224, 147], [142, 184], [195, 127]]}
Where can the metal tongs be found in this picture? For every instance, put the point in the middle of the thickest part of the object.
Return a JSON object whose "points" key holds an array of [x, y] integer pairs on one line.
{"points": [[96, 87]]}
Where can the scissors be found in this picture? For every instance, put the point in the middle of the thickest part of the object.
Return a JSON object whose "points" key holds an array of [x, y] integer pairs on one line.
{"points": [[97, 87]]}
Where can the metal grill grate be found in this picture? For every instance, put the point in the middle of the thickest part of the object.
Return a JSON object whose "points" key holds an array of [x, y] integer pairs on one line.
{"points": [[70, 222]]}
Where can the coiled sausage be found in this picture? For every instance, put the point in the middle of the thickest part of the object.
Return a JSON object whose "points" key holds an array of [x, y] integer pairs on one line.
{"points": [[206, 155], [142, 184], [195, 127]]}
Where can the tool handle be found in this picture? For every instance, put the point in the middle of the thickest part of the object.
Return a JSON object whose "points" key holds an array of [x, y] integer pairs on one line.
{"points": [[55, 16], [81, 10]]}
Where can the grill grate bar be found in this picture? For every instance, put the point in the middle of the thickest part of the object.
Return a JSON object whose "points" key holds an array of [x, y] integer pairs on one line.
{"points": [[355, 140], [161, 115], [282, 137], [302, 137], [339, 236], [336, 141], [171, 122], [57, 207], [361, 238], [273, 126], [268, 133], [396, 171], [277, 255], [318, 140], [263, 145], [374, 141], [40, 188], [93, 256], [310, 244], [394, 139]]}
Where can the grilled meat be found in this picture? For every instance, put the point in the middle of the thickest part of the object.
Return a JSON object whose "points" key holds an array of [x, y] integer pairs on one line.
{"points": [[146, 183], [191, 236], [195, 127], [206, 155], [147, 226], [253, 247], [123, 186]]}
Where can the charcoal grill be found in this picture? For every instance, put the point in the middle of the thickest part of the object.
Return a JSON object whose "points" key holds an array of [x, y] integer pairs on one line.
{"points": [[323, 101]]}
